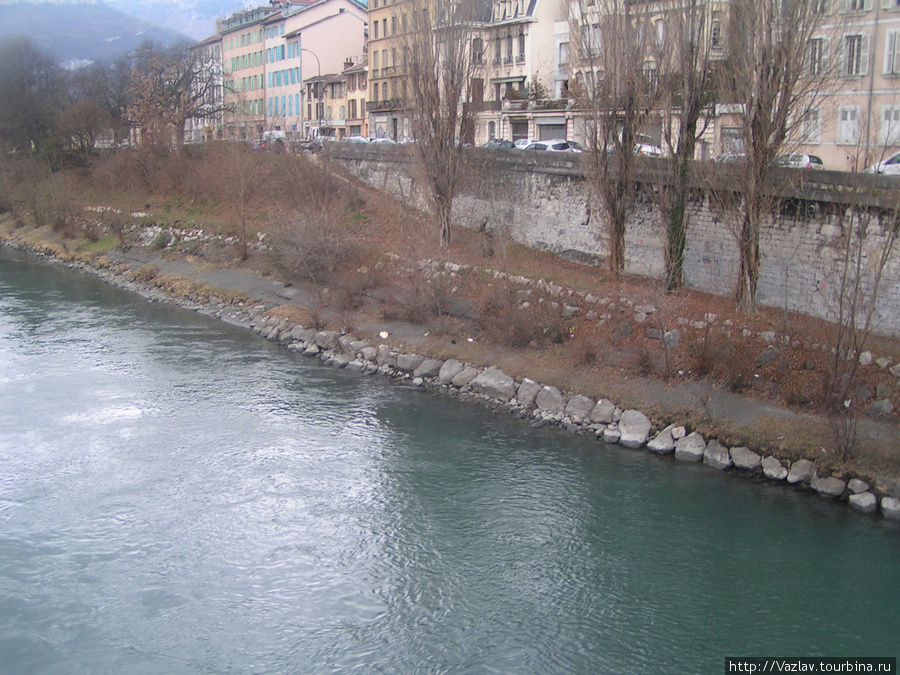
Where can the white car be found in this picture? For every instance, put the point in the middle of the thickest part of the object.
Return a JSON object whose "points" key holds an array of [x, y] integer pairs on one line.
{"points": [[887, 167], [556, 145], [523, 143], [799, 160]]}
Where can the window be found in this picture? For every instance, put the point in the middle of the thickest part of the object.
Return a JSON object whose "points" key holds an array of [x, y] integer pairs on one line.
{"points": [[375, 29], [651, 76], [810, 130], [521, 46], [477, 51], [856, 55], [375, 92], [816, 57], [660, 35], [821, 7], [859, 5], [715, 31], [498, 52], [848, 125], [892, 53], [375, 61], [563, 53], [889, 130]]}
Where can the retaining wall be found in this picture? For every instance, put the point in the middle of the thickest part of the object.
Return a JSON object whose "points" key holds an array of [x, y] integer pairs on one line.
{"points": [[543, 201]]}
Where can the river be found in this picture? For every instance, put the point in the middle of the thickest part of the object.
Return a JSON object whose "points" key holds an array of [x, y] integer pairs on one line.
{"points": [[178, 495]]}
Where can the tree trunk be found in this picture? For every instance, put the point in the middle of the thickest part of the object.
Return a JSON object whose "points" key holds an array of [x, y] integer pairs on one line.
{"points": [[748, 275]]}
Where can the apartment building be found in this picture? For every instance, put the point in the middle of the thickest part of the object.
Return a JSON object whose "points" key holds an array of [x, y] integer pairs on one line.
{"points": [[207, 55], [243, 58], [388, 26], [858, 120], [268, 51], [303, 43], [520, 54], [350, 106]]}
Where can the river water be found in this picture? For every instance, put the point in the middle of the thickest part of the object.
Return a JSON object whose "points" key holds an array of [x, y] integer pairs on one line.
{"points": [[177, 495]]}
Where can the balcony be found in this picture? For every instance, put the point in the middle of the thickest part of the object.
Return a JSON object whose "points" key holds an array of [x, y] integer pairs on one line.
{"points": [[380, 106], [520, 58], [508, 59]]}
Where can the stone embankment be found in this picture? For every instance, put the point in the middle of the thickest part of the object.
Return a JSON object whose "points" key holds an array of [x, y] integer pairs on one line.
{"points": [[543, 404]]}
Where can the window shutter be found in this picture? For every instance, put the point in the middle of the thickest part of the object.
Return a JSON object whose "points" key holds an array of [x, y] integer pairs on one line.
{"points": [[890, 47], [864, 55]]}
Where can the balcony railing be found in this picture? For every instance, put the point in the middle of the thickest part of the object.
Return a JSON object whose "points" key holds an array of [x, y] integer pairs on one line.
{"points": [[390, 104], [520, 58], [508, 59]]}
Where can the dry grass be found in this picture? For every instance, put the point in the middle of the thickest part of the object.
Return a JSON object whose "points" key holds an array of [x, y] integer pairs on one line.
{"points": [[368, 254]]}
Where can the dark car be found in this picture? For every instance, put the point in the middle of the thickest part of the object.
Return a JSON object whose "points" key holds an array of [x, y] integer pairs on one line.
{"points": [[498, 143]]}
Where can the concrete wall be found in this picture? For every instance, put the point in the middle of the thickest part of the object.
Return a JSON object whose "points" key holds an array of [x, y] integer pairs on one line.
{"points": [[543, 202]]}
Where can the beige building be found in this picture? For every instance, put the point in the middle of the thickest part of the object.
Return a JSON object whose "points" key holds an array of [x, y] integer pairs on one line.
{"points": [[858, 122], [243, 59], [388, 23]]}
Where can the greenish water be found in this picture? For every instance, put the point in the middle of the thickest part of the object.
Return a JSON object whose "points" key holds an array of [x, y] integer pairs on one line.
{"points": [[180, 496]]}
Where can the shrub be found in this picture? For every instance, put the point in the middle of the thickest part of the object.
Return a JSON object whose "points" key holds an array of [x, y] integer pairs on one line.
{"points": [[312, 245], [532, 323]]}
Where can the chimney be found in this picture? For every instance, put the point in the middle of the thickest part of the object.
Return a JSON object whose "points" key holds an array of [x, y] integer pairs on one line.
{"points": [[348, 63]]}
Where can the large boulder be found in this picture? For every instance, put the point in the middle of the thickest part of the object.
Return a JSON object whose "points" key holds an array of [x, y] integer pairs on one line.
{"points": [[409, 362], [579, 408], [773, 469], [716, 455], [830, 487], [449, 370], [465, 376], [549, 400], [495, 383], [328, 339], [603, 412], [690, 448], [528, 391], [428, 368], [663, 443], [745, 459], [864, 502], [801, 471], [890, 508], [634, 429]]}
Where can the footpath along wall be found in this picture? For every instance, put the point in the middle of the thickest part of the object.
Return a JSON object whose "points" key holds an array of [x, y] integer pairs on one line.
{"points": [[543, 201]]}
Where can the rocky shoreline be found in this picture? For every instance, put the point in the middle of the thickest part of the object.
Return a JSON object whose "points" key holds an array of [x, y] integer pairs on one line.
{"points": [[543, 405]]}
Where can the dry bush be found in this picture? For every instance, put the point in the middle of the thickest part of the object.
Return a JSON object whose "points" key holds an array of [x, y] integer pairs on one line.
{"points": [[586, 348], [313, 245], [146, 273], [533, 323], [417, 300], [720, 358]]}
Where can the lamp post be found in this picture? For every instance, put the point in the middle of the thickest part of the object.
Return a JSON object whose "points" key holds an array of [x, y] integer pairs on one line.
{"points": [[320, 84]]}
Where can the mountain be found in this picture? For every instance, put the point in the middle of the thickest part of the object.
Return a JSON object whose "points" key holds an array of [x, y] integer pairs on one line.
{"points": [[195, 18], [81, 32]]}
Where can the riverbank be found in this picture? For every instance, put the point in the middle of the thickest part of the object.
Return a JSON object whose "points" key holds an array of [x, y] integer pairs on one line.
{"points": [[501, 379]]}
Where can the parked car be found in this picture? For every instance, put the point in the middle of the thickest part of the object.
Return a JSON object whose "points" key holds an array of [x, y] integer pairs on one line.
{"points": [[800, 161], [648, 150], [498, 143], [523, 143], [887, 167], [385, 141], [556, 145], [355, 139]]}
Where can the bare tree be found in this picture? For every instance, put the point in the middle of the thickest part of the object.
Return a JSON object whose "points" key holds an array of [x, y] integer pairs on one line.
{"points": [[685, 48], [616, 86], [32, 83], [774, 82], [170, 85], [439, 67]]}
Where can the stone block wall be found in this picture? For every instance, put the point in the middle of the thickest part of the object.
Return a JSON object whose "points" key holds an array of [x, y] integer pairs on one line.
{"points": [[545, 203]]}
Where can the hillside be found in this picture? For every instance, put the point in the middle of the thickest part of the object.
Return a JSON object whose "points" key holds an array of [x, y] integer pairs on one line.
{"points": [[76, 33]]}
